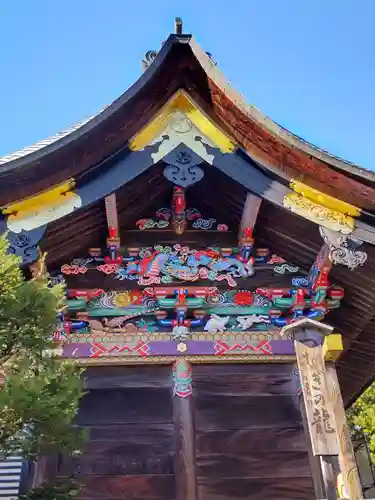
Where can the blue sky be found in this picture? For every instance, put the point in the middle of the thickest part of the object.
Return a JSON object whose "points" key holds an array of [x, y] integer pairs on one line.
{"points": [[309, 65]]}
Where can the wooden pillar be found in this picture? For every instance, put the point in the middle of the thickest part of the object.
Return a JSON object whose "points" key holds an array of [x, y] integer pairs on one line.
{"points": [[329, 478], [348, 465], [315, 465], [185, 465]]}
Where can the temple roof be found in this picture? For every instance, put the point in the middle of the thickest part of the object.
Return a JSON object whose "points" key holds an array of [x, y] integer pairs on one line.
{"points": [[28, 150], [181, 63], [55, 190], [213, 71]]}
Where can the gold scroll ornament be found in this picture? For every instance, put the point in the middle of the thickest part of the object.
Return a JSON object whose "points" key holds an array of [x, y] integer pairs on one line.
{"points": [[320, 419], [322, 215], [42, 208], [324, 199]]}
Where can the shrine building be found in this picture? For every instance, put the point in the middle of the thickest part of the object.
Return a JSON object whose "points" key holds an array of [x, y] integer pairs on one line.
{"points": [[220, 277]]}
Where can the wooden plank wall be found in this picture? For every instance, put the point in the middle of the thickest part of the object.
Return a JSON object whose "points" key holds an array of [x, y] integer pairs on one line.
{"points": [[250, 443], [128, 415]]}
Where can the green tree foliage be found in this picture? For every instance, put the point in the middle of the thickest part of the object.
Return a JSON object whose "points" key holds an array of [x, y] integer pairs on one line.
{"points": [[39, 394], [66, 490], [362, 417]]}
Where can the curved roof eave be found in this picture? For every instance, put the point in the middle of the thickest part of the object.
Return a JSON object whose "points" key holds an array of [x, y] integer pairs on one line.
{"points": [[24, 156], [218, 77]]}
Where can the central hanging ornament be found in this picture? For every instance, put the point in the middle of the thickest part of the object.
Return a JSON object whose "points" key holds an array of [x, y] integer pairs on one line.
{"points": [[183, 167]]}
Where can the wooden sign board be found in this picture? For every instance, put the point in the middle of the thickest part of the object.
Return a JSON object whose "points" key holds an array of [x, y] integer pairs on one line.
{"points": [[319, 410]]}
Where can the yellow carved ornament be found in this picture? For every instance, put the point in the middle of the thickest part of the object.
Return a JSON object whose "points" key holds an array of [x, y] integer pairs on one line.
{"points": [[183, 103], [322, 215], [324, 199], [332, 347], [54, 196]]}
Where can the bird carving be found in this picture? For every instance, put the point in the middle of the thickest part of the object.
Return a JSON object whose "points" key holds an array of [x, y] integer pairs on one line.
{"points": [[108, 324]]}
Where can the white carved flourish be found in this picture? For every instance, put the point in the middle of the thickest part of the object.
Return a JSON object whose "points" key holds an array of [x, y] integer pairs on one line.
{"points": [[343, 249]]}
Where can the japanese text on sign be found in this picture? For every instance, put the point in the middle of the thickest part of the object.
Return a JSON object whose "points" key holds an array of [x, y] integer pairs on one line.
{"points": [[315, 394]]}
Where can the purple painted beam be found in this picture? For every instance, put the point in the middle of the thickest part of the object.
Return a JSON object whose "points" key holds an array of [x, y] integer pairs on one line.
{"points": [[174, 348]]}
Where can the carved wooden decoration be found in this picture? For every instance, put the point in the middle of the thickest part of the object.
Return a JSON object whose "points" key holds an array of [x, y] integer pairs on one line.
{"points": [[316, 398]]}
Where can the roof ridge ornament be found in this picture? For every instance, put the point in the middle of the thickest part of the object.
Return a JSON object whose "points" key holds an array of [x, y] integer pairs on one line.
{"points": [[149, 58], [178, 26], [151, 55]]}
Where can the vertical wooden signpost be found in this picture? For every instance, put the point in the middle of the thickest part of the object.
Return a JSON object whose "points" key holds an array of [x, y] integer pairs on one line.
{"points": [[320, 418]]}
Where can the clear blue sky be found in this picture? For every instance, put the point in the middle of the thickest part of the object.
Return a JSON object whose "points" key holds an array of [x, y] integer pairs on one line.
{"points": [[308, 64]]}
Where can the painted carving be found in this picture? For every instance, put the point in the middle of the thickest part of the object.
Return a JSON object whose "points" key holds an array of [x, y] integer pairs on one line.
{"points": [[180, 332], [183, 166], [25, 244], [343, 250], [182, 379], [180, 123], [216, 323], [143, 224], [181, 311], [285, 268], [246, 322], [179, 220], [169, 321], [300, 281], [204, 223], [324, 199], [166, 264], [327, 217], [179, 217], [39, 216]]}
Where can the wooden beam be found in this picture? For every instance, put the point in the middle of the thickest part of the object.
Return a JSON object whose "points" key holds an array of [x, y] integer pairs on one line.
{"points": [[329, 477], [250, 213], [113, 241], [185, 464], [112, 216]]}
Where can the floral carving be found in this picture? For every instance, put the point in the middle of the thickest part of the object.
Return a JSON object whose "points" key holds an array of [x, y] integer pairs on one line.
{"points": [[343, 250], [319, 214], [244, 298]]}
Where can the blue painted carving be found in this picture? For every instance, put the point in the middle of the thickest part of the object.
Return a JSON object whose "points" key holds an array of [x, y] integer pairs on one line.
{"points": [[182, 168], [25, 243]]}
